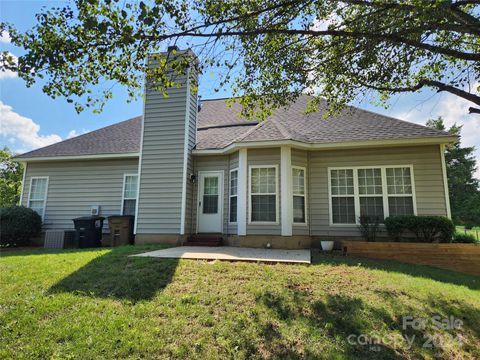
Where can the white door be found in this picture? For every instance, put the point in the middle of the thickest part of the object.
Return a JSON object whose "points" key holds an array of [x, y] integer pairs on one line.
{"points": [[210, 200]]}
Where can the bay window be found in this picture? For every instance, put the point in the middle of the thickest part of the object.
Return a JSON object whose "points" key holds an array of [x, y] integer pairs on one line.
{"points": [[233, 196], [263, 194], [376, 192], [299, 198]]}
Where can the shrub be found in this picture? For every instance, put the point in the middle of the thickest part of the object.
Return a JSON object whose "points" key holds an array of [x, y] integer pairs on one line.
{"points": [[18, 225], [425, 228], [464, 238], [369, 227]]}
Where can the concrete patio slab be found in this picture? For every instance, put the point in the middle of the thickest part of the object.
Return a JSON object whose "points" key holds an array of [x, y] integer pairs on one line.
{"points": [[233, 254]]}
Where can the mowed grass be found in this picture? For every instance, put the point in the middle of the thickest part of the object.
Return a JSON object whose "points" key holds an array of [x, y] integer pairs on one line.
{"points": [[475, 231], [90, 304]]}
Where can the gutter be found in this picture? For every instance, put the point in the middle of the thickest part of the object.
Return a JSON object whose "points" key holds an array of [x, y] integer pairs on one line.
{"points": [[328, 146], [77, 157]]}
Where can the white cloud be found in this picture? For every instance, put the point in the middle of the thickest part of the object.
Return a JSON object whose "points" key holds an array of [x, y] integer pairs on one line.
{"points": [[74, 133], [23, 130], [5, 37], [8, 74], [452, 109]]}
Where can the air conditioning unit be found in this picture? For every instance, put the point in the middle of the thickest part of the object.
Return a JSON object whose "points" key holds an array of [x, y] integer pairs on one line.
{"points": [[95, 210]]}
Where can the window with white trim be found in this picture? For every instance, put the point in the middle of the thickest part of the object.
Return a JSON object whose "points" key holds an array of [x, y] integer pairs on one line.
{"points": [[263, 194], [299, 198], [130, 188], [38, 195], [370, 193], [376, 192], [343, 196], [400, 193], [233, 196]]}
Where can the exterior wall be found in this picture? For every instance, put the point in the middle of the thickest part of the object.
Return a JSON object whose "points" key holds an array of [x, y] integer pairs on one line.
{"points": [[168, 125], [74, 186], [269, 156], [427, 169]]}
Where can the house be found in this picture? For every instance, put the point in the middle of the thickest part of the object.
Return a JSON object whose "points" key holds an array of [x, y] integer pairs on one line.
{"points": [[188, 168]]}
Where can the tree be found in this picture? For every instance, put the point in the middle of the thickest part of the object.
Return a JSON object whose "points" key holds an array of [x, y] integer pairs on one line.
{"points": [[269, 51], [462, 185], [11, 175]]}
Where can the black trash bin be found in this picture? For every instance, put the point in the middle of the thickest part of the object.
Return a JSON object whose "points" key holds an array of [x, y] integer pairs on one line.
{"points": [[88, 231]]}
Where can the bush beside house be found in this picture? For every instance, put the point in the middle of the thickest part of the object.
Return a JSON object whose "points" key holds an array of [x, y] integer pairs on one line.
{"points": [[18, 226], [423, 228]]}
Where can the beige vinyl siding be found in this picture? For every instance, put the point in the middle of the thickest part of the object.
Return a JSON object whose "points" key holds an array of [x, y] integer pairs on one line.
{"points": [[300, 158], [270, 156], [162, 158], [427, 169], [211, 163], [192, 132], [74, 186]]}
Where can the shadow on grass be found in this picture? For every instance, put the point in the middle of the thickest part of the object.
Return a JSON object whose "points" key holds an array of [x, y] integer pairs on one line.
{"points": [[357, 329], [118, 275], [423, 271]]}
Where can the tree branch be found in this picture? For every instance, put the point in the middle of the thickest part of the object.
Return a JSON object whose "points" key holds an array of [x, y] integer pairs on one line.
{"points": [[430, 83], [336, 33]]}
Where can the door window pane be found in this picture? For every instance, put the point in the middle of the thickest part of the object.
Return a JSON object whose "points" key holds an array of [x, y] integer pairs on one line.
{"points": [[210, 195], [210, 185]]}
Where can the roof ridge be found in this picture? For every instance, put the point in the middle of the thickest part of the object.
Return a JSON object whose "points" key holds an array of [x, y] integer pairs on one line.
{"points": [[355, 108], [283, 130], [241, 137]]}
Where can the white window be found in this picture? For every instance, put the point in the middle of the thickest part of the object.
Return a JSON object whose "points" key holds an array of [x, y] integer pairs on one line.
{"points": [[376, 192], [370, 193], [37, 196], [263, 194], [233, 196], [130, 188], [299, 197], [343, 196], [400, 191]]}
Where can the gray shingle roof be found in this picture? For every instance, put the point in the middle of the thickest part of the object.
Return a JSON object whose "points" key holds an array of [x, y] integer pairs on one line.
{"points": [[122, 137], [220, 125]]}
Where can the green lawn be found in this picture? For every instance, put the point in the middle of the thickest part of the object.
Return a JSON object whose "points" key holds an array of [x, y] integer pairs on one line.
{"points": [[475, 231], [102, 304]]}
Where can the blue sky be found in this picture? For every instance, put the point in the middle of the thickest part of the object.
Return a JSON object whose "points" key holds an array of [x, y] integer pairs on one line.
{"points": [[30, 119]]}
